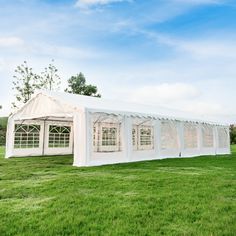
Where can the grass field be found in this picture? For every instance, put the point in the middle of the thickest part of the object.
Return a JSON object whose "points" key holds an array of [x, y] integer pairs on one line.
{"points": [[47, 196]]}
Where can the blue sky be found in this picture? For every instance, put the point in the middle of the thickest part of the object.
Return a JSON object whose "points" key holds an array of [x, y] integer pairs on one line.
{"points": [[174, 53]]}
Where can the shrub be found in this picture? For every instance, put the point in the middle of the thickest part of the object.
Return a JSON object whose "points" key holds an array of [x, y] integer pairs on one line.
{"points": [[3, 130], [233, 134]]}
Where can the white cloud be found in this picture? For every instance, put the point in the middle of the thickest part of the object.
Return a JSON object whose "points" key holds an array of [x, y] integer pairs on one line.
{"points": [[90, 3], [181, 97], [223, 49], [208, 48], [165, 93], [203, 108], [10, 41]]}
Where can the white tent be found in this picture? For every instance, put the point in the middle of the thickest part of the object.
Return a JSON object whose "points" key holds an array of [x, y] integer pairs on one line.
{"points": [[99, 131]]}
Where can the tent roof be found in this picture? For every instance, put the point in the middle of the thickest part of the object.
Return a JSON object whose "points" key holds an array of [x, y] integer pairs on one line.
{"points": [[121, 107], [58, 104]]}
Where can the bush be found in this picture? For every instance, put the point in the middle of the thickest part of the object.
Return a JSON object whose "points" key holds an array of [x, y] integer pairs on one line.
{"points": [[233, 134], [2, 137], [3, 130]]}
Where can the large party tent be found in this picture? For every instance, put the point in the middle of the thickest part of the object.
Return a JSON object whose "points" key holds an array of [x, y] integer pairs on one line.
{"points": [[99, 131]]}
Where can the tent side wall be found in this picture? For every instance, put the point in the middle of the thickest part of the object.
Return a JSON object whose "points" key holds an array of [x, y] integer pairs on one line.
{"points": [[9, 138], [224, 148], [205, 136], [81, 138], [94, 158], [193, 151], [18, 152], [43, 142]]}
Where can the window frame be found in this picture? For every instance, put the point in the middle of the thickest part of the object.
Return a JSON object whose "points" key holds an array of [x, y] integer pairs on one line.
{"points": [[24, 143], [137, 136], [98, 138], [60, 136]]}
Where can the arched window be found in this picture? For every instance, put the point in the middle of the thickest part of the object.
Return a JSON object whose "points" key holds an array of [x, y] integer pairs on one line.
{"points": [[106, 133], [59, 136], [26, 136], [142, 134]]}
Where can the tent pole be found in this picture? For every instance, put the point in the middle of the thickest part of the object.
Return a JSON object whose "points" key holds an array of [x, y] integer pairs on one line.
{"points": [[73, 138], [44, 132]]}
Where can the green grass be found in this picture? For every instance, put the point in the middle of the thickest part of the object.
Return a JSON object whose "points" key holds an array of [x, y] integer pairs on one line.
{"points": [[47, 196]]}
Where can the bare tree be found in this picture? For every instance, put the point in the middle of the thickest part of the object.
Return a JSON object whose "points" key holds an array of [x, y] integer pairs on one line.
{"points": [[25, 83], [49, 77]]}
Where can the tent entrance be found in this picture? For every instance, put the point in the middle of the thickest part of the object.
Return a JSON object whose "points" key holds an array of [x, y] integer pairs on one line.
{"points": [[43, 137]]}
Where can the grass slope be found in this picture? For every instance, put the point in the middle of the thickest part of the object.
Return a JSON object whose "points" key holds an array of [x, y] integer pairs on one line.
{"points": [[47, 196]]}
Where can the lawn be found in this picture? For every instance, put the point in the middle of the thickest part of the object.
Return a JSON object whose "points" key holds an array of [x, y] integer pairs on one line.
{"points": [[47, 196]]}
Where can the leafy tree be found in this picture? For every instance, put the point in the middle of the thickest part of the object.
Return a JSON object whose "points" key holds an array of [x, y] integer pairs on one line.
{"points": [[49, 78], [25, 84], [77, 85]]}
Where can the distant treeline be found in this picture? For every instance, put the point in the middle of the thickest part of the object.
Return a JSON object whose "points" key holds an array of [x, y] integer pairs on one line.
{"points": [[3, 130], [233, 134]]}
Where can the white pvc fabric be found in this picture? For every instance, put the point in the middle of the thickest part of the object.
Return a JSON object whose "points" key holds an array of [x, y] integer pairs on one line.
{"points": [[190, 136], [169, 135], [106, 132], [99, 132], [223, 137], [207, 136]]}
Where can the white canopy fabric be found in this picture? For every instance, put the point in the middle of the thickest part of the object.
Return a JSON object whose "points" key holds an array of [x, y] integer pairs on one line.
{"points": [[64, 105], [101, 131]]}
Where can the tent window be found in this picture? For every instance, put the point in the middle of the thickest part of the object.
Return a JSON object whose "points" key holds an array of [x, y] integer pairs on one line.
{"points": [[106, 137], [207, 133], [223, 138], [142, 137], [109, 136], [26, 136], [169, 135], [190, 136], [59, 136]]}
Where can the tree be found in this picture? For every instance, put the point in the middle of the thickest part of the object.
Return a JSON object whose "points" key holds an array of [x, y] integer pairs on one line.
{"points": [[25, 84], [77, 85], [49, 78]]}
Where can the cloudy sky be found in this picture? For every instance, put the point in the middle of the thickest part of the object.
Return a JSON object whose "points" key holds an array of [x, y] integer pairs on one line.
{"points": [[175, 53]]}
